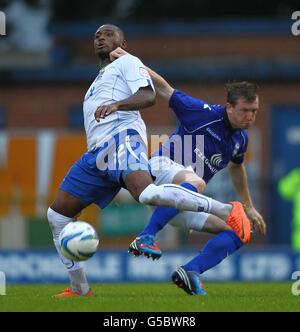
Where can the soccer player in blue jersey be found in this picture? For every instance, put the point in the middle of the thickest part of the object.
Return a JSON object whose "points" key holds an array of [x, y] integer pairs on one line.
{"points": [[117, 151], [225, 143]]}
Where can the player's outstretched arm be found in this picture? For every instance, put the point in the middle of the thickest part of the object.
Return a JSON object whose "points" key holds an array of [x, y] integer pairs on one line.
{"points": [[238, 176], [162, 87]]}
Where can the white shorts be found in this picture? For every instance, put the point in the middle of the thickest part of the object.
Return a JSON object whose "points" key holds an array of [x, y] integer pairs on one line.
{"points": [[164, 169]]}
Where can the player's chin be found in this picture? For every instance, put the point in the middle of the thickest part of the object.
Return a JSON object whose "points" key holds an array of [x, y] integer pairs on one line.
{"points": [[247, 125], [102, 54]]}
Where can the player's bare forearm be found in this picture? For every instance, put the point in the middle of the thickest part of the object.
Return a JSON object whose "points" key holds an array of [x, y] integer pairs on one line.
{"points": [[144, 97], [162, 87], [239, 179], [238, 175]]}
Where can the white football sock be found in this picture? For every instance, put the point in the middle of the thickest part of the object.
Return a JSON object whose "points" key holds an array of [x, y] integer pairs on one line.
{"points": [[79, 282], [75, 269], [221, 210], [172, 195], [178, 197]]}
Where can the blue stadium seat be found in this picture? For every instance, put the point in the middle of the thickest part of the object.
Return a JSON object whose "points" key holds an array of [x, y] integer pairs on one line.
{"points": [[3, 120], [75, 120]]}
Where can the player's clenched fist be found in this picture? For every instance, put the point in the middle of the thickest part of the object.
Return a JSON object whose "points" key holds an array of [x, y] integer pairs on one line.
{"points": [[105, 110]]}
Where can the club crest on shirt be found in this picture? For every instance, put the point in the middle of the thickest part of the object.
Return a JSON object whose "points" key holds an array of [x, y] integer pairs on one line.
{"points": [[236, 149]]}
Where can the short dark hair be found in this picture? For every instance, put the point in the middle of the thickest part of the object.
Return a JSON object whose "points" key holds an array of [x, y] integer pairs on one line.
{"points": [[236, 90], [116, 28]]}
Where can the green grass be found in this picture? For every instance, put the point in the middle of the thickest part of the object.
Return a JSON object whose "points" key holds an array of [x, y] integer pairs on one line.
{"points": [[154, 298]]}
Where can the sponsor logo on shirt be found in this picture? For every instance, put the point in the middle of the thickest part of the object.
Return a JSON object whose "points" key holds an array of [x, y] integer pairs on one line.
{"points": [[216, 159], [213, 134], [206, 160]]}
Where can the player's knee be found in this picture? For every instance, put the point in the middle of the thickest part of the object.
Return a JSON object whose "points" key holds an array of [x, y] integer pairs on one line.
{"points": [[215, 225], [221, 227], [199, 184], [225, 228], [56, 221], [192, 178], [138, 182]]}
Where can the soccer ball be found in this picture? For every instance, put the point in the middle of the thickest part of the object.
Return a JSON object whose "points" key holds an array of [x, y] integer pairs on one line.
{"points": [[78, 241]]}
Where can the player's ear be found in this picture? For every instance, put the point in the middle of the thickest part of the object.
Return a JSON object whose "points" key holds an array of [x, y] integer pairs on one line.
{"points": [[124, 44], [229, 107]]}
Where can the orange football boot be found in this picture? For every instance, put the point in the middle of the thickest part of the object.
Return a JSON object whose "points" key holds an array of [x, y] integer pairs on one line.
{"points": [[68, 293], [239, 222]]}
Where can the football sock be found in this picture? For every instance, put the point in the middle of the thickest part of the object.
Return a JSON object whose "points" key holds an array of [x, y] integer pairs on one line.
{"points": [[215, 250], [185, 199], [162, 215], [79, 282], [175, 196], [221, 210], [57, 222]]}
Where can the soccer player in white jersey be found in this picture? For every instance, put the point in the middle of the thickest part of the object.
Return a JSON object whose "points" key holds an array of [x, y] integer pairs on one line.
{"points": [[117, 151]]}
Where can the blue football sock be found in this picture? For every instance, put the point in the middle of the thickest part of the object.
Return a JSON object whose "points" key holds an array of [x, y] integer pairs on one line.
{"points": [[162, 215], [215, 250]]}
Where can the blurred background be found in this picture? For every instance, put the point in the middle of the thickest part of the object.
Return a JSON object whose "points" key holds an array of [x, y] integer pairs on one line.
{"points": [[47, 63]]}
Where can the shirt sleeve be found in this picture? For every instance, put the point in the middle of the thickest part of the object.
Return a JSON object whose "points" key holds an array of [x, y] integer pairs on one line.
{"points": [[191, 112], [135, 73], [239, 157]]}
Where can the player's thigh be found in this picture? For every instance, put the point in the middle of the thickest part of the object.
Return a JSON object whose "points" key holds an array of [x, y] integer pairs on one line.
{"points": [[133, 165], [191, 177], [67, 205]]}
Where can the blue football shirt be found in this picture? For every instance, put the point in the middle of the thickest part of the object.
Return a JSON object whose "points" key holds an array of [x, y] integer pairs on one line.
{"points": [[205, 139]]}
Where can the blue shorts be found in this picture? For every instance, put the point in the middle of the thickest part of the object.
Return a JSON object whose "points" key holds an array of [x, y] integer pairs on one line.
{"points": [[99, 175]]}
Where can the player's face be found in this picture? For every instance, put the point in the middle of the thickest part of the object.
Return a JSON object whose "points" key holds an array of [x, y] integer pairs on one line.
{"points": [[106, 40], [243, 114]]}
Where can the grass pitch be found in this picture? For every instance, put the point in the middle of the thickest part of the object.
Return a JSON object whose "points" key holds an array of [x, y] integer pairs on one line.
{"points": [[153, 298]]}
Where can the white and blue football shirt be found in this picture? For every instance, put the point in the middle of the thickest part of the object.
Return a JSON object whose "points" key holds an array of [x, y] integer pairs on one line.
{"points": [[117, 81]]}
